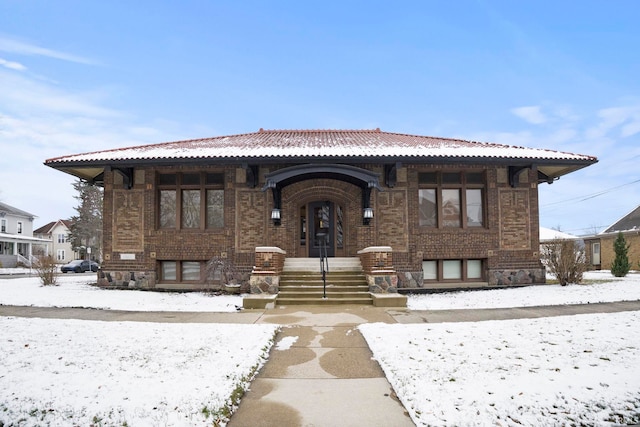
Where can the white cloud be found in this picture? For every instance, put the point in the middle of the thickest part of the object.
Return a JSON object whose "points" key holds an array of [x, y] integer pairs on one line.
{"points": [[531, 114], [626, 118], [12, 65], [22, 48]]}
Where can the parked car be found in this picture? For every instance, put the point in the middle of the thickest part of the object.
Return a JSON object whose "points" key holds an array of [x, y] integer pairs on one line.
{"points": [[80, 266]]}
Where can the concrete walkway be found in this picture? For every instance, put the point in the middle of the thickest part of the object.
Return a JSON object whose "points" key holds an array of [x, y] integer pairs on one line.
{"points": [[320, 371]]}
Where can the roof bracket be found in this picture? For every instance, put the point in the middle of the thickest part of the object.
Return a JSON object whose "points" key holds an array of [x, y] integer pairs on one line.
{"points": [[514, 173], [252, 174], [546, 178], [127, 177], [391, 174]]}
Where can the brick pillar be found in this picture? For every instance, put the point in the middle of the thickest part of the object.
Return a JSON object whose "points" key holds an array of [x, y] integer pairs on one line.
{"points": [[377, 264], [265, 276]]}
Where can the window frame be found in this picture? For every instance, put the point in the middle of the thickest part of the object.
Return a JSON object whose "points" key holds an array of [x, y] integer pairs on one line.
{"points": [[184, 181], [440, 185], [464, 270], [179, 270]]}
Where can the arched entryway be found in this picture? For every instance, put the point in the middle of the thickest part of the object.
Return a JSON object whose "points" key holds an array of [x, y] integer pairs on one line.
{"points": [[327, 204]]}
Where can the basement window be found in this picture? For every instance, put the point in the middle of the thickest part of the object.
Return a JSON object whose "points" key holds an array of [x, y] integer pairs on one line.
{"points": [[180, 271], [455, 270]]}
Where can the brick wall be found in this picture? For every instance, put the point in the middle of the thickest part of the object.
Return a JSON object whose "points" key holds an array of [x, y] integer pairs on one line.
{"points": [[607, 253], [508, 243]]}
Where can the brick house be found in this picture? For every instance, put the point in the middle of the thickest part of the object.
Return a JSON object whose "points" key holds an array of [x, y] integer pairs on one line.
{"points": [[599, 248], [448, 213]]}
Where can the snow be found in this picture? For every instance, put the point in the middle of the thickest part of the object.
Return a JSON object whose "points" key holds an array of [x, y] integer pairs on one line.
{"points": [[547, 234], [569, 370], [614, 289], [75, 290], [580, 369]]}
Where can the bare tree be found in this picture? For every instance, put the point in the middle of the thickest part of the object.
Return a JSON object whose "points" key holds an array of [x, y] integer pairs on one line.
{"points": [[565, 259], [47, 270]]}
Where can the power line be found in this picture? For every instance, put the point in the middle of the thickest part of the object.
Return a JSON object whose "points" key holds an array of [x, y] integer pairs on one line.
{"points": [[591, 196]]}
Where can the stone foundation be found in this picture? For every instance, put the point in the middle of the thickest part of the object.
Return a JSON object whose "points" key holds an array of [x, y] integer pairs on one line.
{"points": [[264, 283], [121, 279], [380, 283], [516, 277]]}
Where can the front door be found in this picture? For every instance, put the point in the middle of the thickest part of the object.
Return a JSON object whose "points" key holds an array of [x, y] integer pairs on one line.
{"points": [[321, 230]]}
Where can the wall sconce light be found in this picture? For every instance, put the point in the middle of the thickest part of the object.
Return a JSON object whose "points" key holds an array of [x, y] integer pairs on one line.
{"points": [[275, 216], [367, 215]]}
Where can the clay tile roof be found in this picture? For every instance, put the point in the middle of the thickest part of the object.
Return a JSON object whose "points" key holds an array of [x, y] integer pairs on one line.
{"points": [[318, 144]]}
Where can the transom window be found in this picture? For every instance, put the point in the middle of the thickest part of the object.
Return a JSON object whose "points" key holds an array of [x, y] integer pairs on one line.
{"points": [[190, 200], [451, 199]]}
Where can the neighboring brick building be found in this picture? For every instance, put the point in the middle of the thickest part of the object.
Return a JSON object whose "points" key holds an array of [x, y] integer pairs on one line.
{"points": [[455, 213], [599, 248]]}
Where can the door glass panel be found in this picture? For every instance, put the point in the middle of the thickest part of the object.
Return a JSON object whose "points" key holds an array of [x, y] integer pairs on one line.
{"points": [[339, 227], [303, 225]]}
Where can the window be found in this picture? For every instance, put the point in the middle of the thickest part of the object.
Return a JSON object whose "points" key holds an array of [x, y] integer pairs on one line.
{"points": [[60, 255], [452, 270], [61, 238], [180, 271], [3, 226], [451, 199], [191, 200], [19, 227]]}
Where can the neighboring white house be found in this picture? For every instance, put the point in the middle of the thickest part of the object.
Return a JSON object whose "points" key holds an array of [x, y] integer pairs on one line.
{"points": [[57, 232], [17, 244]]}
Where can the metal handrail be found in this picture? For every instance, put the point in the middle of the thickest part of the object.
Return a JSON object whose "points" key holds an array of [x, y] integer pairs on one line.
{"points": [[324, 264]]}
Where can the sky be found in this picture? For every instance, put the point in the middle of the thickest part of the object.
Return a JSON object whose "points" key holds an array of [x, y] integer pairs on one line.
{"points": [[78, 76]]}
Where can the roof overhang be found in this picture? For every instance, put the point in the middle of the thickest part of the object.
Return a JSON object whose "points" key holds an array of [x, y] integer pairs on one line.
{"points": [[93, 172]]}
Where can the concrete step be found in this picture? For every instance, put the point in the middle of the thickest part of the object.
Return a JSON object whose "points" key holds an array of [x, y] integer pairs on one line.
{"points": [[313, 264], [324, 301], [318, 293], [317, 281], [330, 288]]}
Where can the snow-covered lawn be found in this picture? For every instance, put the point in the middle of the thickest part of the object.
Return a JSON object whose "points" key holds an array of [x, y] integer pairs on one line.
{"points": [[75, 290], [73, 372], [554, 371], [570, 370]]}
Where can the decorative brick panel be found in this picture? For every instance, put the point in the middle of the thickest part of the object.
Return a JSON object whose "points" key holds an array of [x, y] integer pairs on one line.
{"points": [[393, 227], [127, 223], [514, 219], [251, 213]]}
